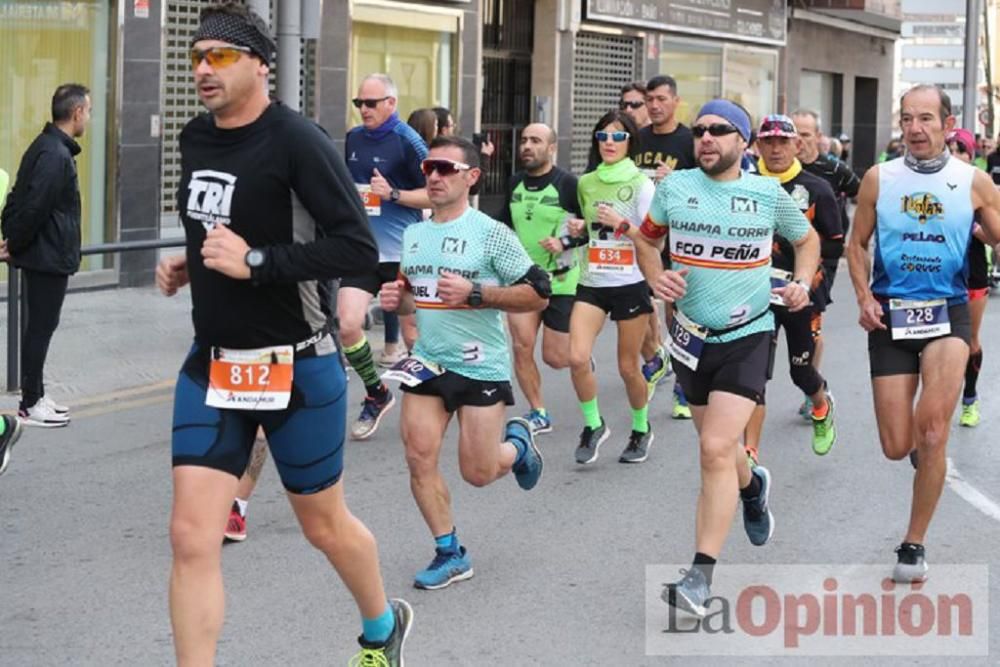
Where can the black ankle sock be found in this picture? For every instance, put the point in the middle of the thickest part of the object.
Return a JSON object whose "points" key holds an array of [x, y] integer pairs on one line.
{"points": [[377, 391], [752, 489], [972, 369], [706, 564]]}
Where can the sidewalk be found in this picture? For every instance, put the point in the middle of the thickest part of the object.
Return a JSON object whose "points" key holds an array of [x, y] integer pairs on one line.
{"points": [[111, 340]]}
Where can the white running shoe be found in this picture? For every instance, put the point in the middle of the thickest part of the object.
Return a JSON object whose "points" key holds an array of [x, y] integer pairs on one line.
{"points": [[56, 407], [41, 414]]}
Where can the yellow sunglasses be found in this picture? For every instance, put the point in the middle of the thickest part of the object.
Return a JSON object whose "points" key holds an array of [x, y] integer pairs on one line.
{"points": [[218, 56]]}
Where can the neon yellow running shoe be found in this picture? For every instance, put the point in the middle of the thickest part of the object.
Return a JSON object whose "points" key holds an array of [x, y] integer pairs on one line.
{"points": [[681, 409], [824, 430], [970, 414]]}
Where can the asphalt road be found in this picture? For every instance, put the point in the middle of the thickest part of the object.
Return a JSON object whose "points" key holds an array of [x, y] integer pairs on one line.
{"points": [[560, 571]]}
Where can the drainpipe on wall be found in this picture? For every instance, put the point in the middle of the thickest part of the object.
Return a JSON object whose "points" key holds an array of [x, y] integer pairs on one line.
{"points": [[289, 31]]}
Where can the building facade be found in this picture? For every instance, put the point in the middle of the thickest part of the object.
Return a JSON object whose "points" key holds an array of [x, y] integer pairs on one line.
{"points": [[497, 64]]}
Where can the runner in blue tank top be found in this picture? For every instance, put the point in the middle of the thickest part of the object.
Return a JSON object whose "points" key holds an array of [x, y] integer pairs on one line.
{"points": [[719, 224], [920, 209]]}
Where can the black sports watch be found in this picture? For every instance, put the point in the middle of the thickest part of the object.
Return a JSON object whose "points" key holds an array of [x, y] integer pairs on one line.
{"points": [[475, 299], [255, 259], [394, 194]]}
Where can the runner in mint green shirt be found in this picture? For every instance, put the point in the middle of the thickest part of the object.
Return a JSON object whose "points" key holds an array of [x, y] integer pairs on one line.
{"points": [[719, 224], [459, 270]]}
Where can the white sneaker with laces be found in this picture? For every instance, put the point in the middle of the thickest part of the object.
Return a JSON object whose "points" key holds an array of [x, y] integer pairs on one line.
{"points": [[41, 414]]}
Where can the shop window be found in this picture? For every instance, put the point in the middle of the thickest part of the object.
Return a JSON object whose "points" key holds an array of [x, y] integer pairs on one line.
{"points": [[43, 45], [416, 47], [821, 92], [750, 78], [698, 71]]}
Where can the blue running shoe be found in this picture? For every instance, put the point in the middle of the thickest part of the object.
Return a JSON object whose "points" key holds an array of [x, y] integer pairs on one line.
{"points": [[539, 423], [757, 518], [529, 470], [689, 594], [653, 372], [446, 568], [372, 411]]}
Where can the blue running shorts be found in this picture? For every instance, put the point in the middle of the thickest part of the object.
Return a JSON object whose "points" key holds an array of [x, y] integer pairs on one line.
{"points": [[306, 439]]}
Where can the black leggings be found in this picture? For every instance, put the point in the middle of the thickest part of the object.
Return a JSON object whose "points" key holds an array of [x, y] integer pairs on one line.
{"points": [[44, 294], [801, 347]]}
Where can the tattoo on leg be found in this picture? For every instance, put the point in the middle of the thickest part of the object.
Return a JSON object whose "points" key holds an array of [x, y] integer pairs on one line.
{"points": [[257, 458]]}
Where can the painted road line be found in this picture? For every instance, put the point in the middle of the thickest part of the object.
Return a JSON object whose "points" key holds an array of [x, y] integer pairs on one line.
{"points": [[971, 494]]}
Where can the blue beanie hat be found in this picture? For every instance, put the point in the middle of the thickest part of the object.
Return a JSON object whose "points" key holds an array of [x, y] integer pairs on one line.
{"points": [[731, 112]]}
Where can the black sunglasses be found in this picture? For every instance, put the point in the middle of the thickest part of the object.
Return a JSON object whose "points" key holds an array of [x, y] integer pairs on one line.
{"points": [[625, 104], [371, 104], [716, 130]]}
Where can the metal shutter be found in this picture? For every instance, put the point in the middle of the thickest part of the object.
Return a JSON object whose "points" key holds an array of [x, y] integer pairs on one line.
{"points": [[180, 99], [602, 64]]}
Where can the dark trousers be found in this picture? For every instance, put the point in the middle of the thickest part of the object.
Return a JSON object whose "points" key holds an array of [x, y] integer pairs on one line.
{"points": [[44, 294]]}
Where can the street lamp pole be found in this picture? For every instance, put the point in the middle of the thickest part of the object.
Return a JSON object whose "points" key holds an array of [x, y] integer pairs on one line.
{"points": [[971, 84]]}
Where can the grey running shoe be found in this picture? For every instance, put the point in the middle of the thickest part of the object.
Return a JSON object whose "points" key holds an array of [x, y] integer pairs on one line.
{"points": [[591, 440], [757, 518], [911, 566], [637, 449], [689, 594], [389, 654], [11, 434]]}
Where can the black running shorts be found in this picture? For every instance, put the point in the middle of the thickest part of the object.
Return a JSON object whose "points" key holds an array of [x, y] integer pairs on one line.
{"points": [[556, 316], [624, 302], [902, 357], [457, 391], [742, 367]]}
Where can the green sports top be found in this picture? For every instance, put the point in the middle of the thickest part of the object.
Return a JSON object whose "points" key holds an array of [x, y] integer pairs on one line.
{"points": [[537, 208]]}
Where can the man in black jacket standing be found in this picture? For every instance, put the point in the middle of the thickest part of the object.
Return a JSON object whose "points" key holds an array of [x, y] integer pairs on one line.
{"points": [[41, 228]]}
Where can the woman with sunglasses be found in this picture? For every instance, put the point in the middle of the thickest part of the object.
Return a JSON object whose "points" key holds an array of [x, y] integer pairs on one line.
{"points": [[614, 199], [962, 145]]}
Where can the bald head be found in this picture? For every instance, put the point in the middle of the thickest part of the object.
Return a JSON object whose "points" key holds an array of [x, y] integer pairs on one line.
{"points": [[544, 130], [537, 149]]}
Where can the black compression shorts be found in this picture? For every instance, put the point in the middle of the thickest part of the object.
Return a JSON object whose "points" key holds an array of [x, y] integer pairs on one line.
{"points": [[742, 367], [902, 357]]}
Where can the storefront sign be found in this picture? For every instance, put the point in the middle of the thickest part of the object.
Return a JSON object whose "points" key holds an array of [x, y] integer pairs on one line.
{"points": [[761, 21]]}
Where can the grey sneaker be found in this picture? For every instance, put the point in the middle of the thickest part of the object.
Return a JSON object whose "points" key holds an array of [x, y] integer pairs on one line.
{"points": [[757, 518], [389, 654], [591, 440], [911, 565], [637, 449], [689, 594]]}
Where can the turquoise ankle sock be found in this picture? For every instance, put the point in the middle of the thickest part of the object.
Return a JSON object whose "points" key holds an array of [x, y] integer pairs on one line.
{"points": [[377, 630]]}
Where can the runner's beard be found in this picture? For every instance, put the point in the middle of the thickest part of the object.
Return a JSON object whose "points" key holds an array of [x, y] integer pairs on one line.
{"points": [[725, 161]]}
